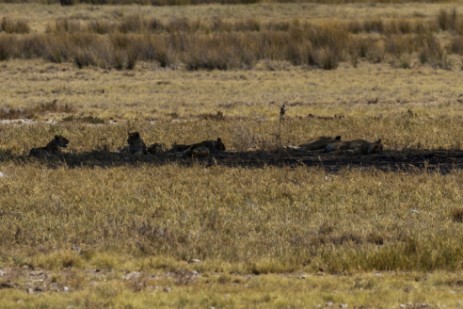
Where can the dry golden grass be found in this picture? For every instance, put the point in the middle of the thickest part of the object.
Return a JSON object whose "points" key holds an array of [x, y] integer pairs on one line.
{"points": [[145, 234], [116, 235], [411, 290], [217, 40], [256, 221], [265, 12], [149, 93]]}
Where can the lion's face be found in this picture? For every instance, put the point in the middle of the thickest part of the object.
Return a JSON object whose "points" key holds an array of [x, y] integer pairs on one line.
{"points": [[134, 137], [61, 141], [219, 145]]}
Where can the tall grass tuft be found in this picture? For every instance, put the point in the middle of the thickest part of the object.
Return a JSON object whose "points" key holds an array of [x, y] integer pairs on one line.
{"points": [[431, 51], [9, 25], [237, 44], [447, 20]]}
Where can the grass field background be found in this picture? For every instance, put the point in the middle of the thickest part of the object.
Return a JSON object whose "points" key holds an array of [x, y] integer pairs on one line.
{"points": [[144, 234]]}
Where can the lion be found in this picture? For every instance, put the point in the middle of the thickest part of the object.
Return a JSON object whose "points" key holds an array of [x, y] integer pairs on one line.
{"points": [[52, 148], [200, 150], [213, 146], [136, 144], [320, 143], [335, 146], [156, 148], [358, 146], [361, 146]]}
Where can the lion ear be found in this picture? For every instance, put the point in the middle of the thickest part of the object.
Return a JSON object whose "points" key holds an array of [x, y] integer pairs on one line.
{"points": [[338, 138], [56, 137], [378, 141], [219, 139]]}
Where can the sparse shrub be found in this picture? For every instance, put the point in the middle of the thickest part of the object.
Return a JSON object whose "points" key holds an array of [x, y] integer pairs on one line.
{"points": [[376, 238], [299, 54], [347, 237], [354, 58], [100, 26], [124, 59], [132, 58], [250, 24], [219, 116], [332, 36], [456, 45], [457, 215], [422, 27], [91, 49], [359, 46], [58, 260], [163, 56], [52, 107], [397, 45], [431, 51], [376, 52], [7, 46], [134, 23], [218, 52], [326, 59], [404, 26], [84, 119], [270, 45], [155, 25], [83, 59], [156, 48], [373, 25], [355, 26], [178, 24], [277, 26], [56, 47], [9, 25], [66, 25], [405, 62], [7, 112], [447, 20], [30, 46]]}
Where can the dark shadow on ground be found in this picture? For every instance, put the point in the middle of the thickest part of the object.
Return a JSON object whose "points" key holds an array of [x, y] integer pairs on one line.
{"points": [[410, 160]]}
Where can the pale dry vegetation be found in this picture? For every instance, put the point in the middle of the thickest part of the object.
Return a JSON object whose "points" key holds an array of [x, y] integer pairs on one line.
{"points": [[117, 234], [190, 234], [94, 228], [221, 43]]}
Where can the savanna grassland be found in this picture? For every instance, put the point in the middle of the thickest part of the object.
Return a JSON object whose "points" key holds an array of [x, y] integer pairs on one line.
{"points": [[93, 228]]}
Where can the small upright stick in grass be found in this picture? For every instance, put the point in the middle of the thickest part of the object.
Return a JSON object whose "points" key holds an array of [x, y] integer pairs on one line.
{"points": [[282, 118], [282, 111]]}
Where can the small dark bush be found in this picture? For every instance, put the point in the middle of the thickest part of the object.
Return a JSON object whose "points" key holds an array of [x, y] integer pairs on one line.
{"points": [[457, 215]]}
